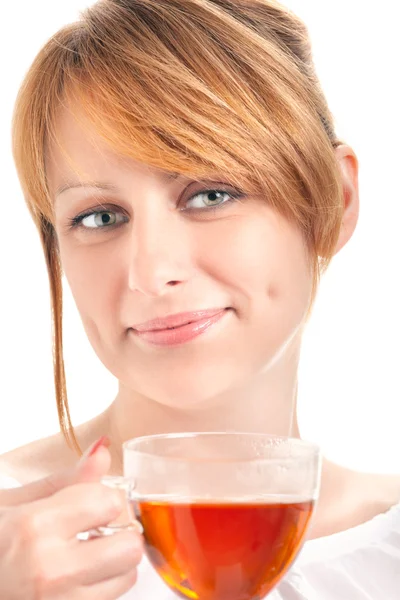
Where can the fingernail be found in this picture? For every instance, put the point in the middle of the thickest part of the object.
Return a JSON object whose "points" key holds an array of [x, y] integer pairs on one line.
{"points": [[103, 441]]}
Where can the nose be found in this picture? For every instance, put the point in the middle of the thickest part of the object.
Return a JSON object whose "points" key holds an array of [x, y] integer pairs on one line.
{"points": [[159, 255]]}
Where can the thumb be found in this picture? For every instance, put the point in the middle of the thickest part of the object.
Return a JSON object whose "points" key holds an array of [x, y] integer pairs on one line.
{"points": [[91, 467]]}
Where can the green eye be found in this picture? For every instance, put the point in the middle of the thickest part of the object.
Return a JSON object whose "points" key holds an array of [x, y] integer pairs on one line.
{"points": [[99, 219], [208, 199]]}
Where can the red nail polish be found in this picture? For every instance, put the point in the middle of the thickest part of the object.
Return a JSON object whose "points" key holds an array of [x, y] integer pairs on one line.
{"points": [[103, 441]]}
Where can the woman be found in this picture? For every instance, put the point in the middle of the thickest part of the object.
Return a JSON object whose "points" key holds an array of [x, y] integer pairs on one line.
{"points": [[181, 164]]}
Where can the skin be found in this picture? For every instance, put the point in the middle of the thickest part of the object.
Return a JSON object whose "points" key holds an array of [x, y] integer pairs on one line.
{"points": [[40, 555], [164, 257]]}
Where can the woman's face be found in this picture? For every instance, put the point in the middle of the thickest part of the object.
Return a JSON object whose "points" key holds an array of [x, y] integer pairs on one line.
{"points": [[138, 246]]}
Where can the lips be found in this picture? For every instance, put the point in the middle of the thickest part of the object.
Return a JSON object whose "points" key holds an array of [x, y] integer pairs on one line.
{"points": [[180, 328], [177, 320]]}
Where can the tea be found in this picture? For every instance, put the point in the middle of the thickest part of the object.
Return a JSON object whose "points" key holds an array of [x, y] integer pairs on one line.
{"points": [[223, 551]]}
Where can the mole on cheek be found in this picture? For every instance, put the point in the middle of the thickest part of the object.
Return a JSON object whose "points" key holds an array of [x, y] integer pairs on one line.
{"points": [[272, 291]]}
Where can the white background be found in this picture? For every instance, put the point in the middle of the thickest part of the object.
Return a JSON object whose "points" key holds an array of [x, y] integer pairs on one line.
{"points": [[349, 387]]}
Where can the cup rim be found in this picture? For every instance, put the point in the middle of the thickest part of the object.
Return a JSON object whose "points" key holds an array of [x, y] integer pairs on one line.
{"points": [[311, 449]]}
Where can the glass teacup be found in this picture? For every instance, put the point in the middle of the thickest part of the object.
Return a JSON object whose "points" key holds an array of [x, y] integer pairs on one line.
{"points": [[223, 515]]}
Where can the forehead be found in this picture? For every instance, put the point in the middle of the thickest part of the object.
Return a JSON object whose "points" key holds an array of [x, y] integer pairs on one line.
{"points": [[77, 152]]}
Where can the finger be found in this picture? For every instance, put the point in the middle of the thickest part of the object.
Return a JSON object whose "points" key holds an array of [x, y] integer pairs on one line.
{"points": [[89, 468], [78, 508], [94, 463], [109, 557], [111, 589]]}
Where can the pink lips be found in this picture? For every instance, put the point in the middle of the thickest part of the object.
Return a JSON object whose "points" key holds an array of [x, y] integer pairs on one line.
{"points": [[179, 328]]}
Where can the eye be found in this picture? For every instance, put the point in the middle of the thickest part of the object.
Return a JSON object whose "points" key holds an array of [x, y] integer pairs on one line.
{"points": [[210, 199], [99, 219]]}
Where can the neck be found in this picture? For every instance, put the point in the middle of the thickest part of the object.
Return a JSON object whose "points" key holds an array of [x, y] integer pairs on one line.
{"points": [[266, 403]]}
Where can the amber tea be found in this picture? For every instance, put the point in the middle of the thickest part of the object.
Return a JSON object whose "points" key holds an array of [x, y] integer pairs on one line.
{"points": [[236, 550]]}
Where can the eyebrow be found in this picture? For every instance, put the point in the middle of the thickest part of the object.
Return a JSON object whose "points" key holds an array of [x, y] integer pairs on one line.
{"points": [[167, 177]]}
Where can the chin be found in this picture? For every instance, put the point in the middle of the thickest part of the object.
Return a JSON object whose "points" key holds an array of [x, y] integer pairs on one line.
{"points": [[187, 396], [189, 390]]}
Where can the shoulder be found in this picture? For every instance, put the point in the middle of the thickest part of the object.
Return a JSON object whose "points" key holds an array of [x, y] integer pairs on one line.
{"points": [[374, 495], [349, 498], [384, 489], [40, 458], [37, 459]]}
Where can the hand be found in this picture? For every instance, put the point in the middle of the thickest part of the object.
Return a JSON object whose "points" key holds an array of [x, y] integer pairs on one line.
{"points": [[92, 466], [40, 555]]}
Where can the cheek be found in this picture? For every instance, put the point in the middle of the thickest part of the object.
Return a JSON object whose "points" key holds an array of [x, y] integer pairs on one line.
{"points": [[288, 276], [264, 260], [272, 272], [93, 276]]}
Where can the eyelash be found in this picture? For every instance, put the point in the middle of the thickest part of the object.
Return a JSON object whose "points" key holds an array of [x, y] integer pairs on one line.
{"points": [[235, 196]]}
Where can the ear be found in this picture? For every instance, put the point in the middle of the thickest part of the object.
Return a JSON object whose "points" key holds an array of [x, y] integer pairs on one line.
{"points": [[348, 164]]}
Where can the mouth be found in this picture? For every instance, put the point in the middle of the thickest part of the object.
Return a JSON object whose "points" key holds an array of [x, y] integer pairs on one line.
{"points": [[179, 328]]}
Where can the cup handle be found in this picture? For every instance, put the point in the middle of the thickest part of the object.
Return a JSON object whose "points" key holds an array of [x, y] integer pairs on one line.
{"points": [[119, 483]]}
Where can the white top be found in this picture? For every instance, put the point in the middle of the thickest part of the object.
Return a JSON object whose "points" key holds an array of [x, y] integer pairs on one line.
{"points": [[362, 563]]}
